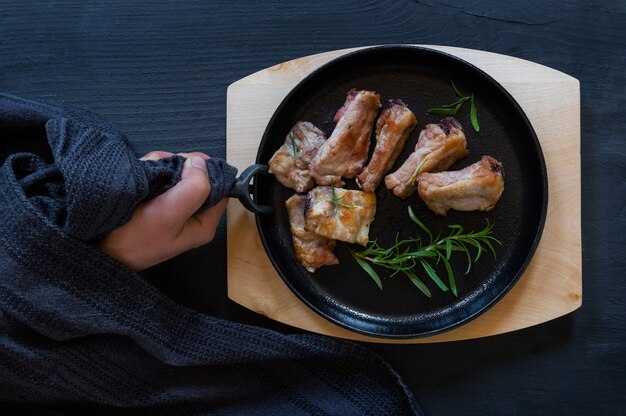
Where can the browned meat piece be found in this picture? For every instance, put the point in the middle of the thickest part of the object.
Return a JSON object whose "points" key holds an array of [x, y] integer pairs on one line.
{"points": [[290, 163], [340, 214], [345, 151], [478, 187], [439, 146], [312, 250], [393, 128]]}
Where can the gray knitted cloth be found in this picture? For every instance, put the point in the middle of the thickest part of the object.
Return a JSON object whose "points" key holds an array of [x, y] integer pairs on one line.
{"points": [[83, 334]]}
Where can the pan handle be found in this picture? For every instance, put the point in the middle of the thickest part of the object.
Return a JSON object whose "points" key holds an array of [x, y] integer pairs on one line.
{"points": [[242, 190]]}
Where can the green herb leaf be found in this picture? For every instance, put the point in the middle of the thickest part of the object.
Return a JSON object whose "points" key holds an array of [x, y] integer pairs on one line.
{"points": [[417, 282], [443, 111], [449, 109], [453, 109], [490, 246], [420, 224], [369, 270], [294, 149], [457, 103], [433, 275], [473, 117], [451, 280], [479, 251], [408, 254], [337, 200], [418, 171], [469, 257], [456, 90]]}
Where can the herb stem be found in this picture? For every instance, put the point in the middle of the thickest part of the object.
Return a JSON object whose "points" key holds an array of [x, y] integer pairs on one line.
{"points": [[407, 254], [418, 171], [337, 200], [294, 149], [453, 109]]}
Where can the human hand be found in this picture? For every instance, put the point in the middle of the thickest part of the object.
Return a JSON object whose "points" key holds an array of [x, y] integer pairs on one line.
{"points": [[168, 224]]}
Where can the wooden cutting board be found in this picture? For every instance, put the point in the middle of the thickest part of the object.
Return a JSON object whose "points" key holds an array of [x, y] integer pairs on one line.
{"points": [[552, 284]]}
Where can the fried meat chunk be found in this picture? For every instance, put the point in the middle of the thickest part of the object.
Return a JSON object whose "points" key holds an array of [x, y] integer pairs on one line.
{"points": [[438, 147], [340, 214], [345, 152], [290, 163], [393, 128], [312, 250], [478, 187]]}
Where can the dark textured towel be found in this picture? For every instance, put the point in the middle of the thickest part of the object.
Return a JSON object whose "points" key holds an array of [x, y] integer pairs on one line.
{"points": [[95, 181], [84, 334]]}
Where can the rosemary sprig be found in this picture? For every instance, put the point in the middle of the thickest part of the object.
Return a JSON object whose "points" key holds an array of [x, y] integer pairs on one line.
{"points": [[473, 116], [418, 171], [417, 252], [294, 149], [452, 109], [456, 90], [449, 109], [337, 200]]}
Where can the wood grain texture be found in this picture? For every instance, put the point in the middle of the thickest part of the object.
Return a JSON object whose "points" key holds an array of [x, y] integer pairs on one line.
{"points": [[253, 282], [160, 71]]}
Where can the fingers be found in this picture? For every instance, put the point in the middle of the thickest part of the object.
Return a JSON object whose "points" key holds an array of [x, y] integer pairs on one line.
{"points": [[178, 207], [188, 195], [156, 155], [159, 154], [200, 229], [169, 224], [199, 154]]}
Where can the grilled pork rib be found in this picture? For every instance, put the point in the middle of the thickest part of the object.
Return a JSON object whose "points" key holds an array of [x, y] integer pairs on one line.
{"points": [[312, 250], [478, 187], [439, 145], [345, 151], [340, 214], [393, 128], [290, 163]]}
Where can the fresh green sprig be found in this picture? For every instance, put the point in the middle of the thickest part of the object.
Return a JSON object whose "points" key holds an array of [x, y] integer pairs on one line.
{"points": [[418, 171], [473, 116], [456, 90], [337, 200], [426, 254], [449, 109], [453, 109], [294, 149]]}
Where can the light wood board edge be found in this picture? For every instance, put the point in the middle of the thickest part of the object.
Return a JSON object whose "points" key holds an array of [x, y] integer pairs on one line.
{"points": [[552, 284]]}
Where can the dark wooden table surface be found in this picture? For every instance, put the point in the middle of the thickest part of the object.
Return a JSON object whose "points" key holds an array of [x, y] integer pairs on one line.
{"points": [[160, 71]]}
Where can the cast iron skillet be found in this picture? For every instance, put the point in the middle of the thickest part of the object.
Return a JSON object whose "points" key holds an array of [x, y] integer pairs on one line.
{"points": [[420, 77]]}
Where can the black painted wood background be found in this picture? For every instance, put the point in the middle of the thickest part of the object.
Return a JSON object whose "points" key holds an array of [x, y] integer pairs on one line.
{"points": [[160, 70]]}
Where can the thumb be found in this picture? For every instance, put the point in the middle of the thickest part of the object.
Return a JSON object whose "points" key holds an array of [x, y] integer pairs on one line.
{"points": [[188, 195]]}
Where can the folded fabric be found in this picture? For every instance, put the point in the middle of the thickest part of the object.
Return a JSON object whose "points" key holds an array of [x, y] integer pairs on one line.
{"points": [[83, 334]]}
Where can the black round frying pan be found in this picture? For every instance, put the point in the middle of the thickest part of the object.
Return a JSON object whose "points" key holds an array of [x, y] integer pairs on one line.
{"points": [[420, 77]]}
